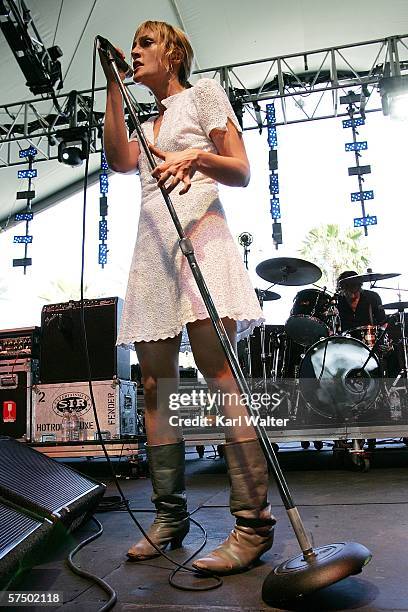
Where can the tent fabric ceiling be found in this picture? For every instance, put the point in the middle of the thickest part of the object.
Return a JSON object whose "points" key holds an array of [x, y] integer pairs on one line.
{"points": [[221, 31]]}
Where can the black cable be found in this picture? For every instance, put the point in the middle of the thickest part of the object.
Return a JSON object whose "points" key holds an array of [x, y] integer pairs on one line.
{"points": [[104, 585], [58, 20], [79, 40], [205, 573]]}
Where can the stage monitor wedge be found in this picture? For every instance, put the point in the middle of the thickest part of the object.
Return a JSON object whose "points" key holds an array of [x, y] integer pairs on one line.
{"points": [[37, 483]]}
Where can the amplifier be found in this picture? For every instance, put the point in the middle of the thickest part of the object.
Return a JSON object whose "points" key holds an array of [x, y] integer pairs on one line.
{"points": [[20, 343], [16, 379], [63, 412], [62, 357]]}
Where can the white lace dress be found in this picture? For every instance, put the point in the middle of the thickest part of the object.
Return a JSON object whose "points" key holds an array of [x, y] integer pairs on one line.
{"points": [[162, 294]]}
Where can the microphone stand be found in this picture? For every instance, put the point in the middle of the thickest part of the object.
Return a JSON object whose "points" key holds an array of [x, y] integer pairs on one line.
{"points": [[245, 240], [313, 569]]}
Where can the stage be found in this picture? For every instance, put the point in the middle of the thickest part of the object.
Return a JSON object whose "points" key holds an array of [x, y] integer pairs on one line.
{"points": [[336, 505]]}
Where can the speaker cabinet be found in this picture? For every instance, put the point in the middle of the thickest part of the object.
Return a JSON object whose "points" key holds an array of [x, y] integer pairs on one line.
{"points": [[62, 356]]}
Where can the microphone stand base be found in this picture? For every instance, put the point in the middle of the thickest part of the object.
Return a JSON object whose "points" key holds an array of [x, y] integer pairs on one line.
{"points": [[297, 577]]}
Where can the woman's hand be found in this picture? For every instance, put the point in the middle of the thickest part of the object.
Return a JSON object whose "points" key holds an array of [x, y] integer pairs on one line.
{"points": [[180, 165], [106, 67]]}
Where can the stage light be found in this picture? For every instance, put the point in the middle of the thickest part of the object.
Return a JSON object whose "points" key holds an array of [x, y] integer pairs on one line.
{"points": [[273, 183], [348, 123], [270, 113], [273, 177], [27, 216], [356, 146], [275, 208], [103, 183], [103, 211], [362, 196], [103, 229], [350, 98], [104, 163], [73, 147], [103, 254], [272, 137], [40, 66], [23, 239], [27, 174], [394, 96], [30, 152], [71, 155], [364, 221]]}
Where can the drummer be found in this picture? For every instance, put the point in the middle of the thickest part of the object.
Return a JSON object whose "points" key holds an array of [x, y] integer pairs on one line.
{"points": [[357, 307]]}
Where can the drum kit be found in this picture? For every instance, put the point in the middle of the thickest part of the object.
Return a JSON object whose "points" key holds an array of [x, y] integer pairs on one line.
{"points": [[337, 371]]}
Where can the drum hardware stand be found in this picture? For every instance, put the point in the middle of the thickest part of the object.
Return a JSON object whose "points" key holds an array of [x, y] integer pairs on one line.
{"points": [[312, 314], [262, 332], [314, 568], [275, 352], [334, 316], [401, 316], [404, 370]]}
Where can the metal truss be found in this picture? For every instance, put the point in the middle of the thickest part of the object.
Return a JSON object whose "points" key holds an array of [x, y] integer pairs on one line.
{"points": [[308, 86]]}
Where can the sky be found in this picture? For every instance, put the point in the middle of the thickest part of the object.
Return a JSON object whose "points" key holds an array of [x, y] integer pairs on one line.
{"points": [[315, 189]]}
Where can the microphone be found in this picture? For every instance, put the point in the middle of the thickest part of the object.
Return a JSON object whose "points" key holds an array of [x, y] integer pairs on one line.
{"points": [[245, 239], [107, 47]]}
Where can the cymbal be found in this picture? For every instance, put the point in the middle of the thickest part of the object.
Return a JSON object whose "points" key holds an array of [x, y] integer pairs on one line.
{"points": [[288, 271], [396, 306], [267, 296], [370, 277]]}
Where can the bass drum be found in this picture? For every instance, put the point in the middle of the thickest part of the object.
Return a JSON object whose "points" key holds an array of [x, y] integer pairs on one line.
{"points": [[338, 378]]}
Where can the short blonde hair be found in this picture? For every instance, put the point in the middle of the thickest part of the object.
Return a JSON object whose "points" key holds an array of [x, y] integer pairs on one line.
{"points": [[176, 46]]}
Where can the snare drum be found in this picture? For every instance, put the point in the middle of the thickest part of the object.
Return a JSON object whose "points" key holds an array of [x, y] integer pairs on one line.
{"points": [[308, 320], [369, 334]]}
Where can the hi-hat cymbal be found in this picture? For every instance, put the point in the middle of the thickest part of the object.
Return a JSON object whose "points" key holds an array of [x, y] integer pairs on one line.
{"points": [[370, 277], [267, 296], [396, 306], [288, 271]]}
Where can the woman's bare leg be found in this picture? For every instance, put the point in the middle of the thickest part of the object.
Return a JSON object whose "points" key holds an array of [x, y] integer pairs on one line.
{"points": [[213, 365], [165, 448], [159, 361]]}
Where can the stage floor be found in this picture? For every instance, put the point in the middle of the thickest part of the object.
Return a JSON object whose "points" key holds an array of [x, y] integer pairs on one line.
{"points": [[336, 505]]}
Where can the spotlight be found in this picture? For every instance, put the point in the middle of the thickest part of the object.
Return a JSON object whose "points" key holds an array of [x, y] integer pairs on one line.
{"points": [[394, 96], [74, 147]]}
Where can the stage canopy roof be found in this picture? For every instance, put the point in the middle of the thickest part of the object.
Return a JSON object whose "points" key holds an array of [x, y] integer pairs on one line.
{"points": [[222, 32]]}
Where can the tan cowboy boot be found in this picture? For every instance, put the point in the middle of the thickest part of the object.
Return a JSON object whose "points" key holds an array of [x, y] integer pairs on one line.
{"points": [[253, 531], [172, 523]]}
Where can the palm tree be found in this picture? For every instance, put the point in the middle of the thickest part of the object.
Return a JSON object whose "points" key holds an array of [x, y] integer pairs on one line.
{"points": [[3, 289], [104, 283], [335, 249], [61, 290]]}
